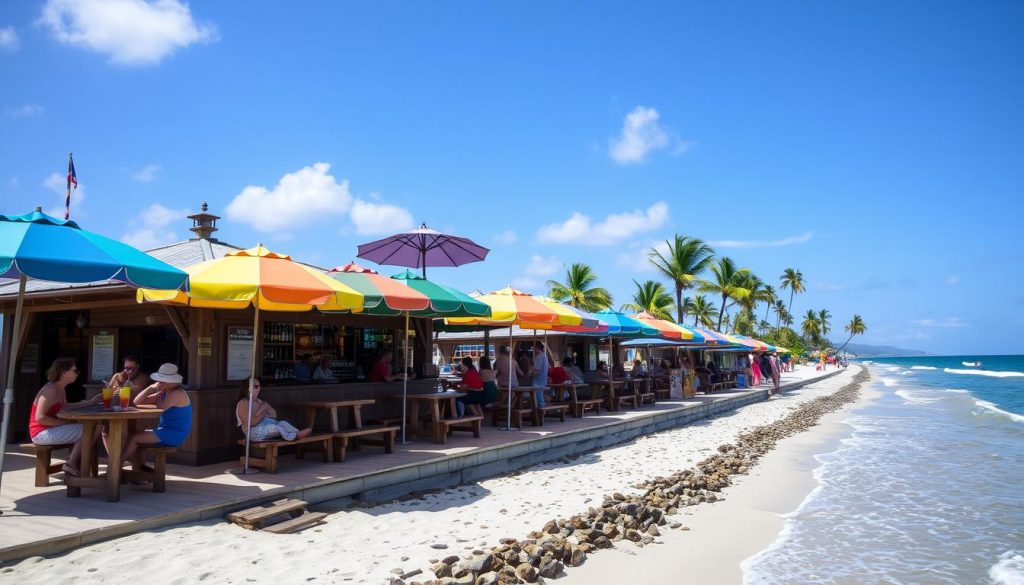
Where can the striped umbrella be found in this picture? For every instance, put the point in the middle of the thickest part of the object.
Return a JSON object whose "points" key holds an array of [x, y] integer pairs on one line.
{"points": [[668, 329]]}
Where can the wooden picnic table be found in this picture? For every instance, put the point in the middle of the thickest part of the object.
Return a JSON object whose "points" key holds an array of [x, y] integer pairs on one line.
{"points": [[437, 404], [611, 386], [574, 399], [116, 419], [355, 419]]}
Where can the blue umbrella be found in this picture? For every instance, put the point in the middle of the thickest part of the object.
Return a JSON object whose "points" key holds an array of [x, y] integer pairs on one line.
{"points": [[36, 245]]}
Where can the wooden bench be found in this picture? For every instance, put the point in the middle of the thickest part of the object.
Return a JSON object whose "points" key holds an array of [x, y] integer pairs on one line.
{"points": [[342, 439], [270, 448], [581, 406], [662, 393], [156, 475], [499, 416], [624, 399], [45, 467], [645, 398], [551, 410], [468, 423]]}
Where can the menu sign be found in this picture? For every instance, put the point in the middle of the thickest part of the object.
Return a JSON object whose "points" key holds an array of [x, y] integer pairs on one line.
{"points": [[102, 362], [240, 348]]}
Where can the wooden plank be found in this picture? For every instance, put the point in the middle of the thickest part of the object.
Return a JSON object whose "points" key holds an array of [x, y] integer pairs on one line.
{"points": [[254, 516], [297, 523]]}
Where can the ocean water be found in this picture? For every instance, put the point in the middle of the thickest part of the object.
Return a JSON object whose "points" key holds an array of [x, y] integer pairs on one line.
{"points": [[929, 487]]}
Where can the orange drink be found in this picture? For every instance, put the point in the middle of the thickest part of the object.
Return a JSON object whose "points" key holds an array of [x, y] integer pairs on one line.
{"points": [[108, 395], [126, 396]]}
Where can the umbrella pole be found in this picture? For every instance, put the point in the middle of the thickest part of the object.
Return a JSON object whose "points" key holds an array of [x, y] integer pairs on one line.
{"points": [[511, 366], [405, 373], [611, 369], [252, 384], [650, 368], [9, 387]]}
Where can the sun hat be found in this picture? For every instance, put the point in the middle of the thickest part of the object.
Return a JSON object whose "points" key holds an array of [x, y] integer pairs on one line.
{"points": [[167, 373]]}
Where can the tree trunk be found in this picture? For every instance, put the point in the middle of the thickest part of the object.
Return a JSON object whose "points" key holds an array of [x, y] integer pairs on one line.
{"points": [[679, 302], [721, 312]]}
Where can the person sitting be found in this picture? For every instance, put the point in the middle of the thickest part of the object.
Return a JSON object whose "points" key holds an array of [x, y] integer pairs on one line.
{"points": [[44, 427], [302, 370], [264, 423], [639, 370], [503, 364], [713, 369], [175, 423], [381, 371], [473, 385], [480, 387], [132, 375], [574, 371], [526, 367], [323, 371], [558, 374]]}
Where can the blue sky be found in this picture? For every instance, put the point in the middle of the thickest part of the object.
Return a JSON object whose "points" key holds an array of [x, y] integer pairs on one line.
{"points": [[875, 146]]}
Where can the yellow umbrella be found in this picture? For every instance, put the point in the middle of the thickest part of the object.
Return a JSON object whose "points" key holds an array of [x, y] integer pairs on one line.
{"points": [[263, 279]]}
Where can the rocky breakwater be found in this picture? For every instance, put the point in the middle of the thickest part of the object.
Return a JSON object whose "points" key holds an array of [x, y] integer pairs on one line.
{"points": [[637, 518]]}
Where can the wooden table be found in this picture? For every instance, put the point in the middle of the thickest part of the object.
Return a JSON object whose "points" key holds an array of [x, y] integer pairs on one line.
{"points": [[574, 398], [610, 386], [355, 419], [117, 422], [436, 403]]}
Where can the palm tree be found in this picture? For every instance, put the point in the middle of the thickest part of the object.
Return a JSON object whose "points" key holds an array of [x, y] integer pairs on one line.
{"points": [[769, 297], [856, 326], [810, 326], [687, 307], [685, 260], [652, 297], [578, 290], [792, 279], [703, 311], [823, 323], [728, 283]]}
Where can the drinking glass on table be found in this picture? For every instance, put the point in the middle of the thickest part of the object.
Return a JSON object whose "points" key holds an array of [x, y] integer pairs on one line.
{"points": [[108, 395], [126, 396]]}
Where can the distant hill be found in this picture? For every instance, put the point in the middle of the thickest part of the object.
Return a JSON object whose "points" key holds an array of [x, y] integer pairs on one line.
{"points": [[864, 350]]}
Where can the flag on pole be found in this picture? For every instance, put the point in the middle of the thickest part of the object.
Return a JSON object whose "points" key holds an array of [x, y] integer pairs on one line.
{"points": [[72, 180]]}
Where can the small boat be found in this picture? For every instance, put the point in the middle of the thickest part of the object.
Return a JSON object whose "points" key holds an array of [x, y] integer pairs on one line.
{"points": [[971, 364]]}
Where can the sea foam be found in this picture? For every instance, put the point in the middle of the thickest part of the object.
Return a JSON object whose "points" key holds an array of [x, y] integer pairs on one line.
{"points": [[923, 368], [1009, 570], [989, 373], [988, 405]]}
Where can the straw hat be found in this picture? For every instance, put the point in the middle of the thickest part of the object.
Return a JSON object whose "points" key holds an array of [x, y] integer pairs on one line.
{"points": [[167, 373]]}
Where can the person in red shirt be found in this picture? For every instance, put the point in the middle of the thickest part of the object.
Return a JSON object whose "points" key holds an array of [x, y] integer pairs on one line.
{"points": [[473, 385], [558, 375], [381, 371]]}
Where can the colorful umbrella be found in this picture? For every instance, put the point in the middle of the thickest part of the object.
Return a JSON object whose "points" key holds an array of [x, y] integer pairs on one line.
{"points": [[266, 280], [668, 329], [444, 300], [381, 296], [422, 247], [38, 246], [511, 307]]}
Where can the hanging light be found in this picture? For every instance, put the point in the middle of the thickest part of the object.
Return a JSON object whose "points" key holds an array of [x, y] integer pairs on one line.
{"points": [[81, 321]]}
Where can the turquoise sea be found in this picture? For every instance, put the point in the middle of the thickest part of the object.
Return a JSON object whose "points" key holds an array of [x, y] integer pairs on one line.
{"points": [[929, 488]]}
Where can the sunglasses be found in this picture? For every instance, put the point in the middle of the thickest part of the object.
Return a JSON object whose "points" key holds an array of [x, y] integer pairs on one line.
{"points": [[74, 369]]}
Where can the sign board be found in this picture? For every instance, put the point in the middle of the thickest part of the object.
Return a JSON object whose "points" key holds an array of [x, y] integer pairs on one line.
{"points": [[239, 355], [101, 359], [205, 346], [30, 359], [675, 384]]}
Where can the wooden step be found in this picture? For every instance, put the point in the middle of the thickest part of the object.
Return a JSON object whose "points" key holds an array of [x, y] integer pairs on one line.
{"points": [[298, 523], [253, 518]]}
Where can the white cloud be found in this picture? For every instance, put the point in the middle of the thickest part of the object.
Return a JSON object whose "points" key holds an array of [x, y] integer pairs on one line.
{"points": [[581, 229], [23, 111], [147, 173], [827, 286], [943, 322], [299, 199], [635, 257], [131, 32], [952, 280], [641, 134], [151, 229], [790, 241], [380, 218], [9, 41], [541, 266], [58, 184], [506, 237]]}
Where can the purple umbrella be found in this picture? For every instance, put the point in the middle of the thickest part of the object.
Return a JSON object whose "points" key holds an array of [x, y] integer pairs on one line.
{"points": [[423, 247]]}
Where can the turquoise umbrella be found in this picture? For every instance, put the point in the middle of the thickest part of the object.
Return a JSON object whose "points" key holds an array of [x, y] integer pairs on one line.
{"points": [[38, 246]]}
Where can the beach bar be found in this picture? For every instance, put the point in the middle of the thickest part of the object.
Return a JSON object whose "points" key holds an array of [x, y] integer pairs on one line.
{"points": [[100, 323]]}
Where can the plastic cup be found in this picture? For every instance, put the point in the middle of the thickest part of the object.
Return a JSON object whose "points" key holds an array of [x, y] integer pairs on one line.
{"points": [[108, 395], [126, 396]]}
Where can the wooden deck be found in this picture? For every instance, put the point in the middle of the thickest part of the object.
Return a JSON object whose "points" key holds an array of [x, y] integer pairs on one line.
{"points": [[43, 521]]}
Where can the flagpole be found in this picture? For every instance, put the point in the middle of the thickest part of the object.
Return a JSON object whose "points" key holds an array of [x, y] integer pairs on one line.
{"points": [[72, 178]]}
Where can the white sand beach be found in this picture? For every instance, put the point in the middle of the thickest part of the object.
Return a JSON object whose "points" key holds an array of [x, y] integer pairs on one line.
{"points": [[371, 544]]}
